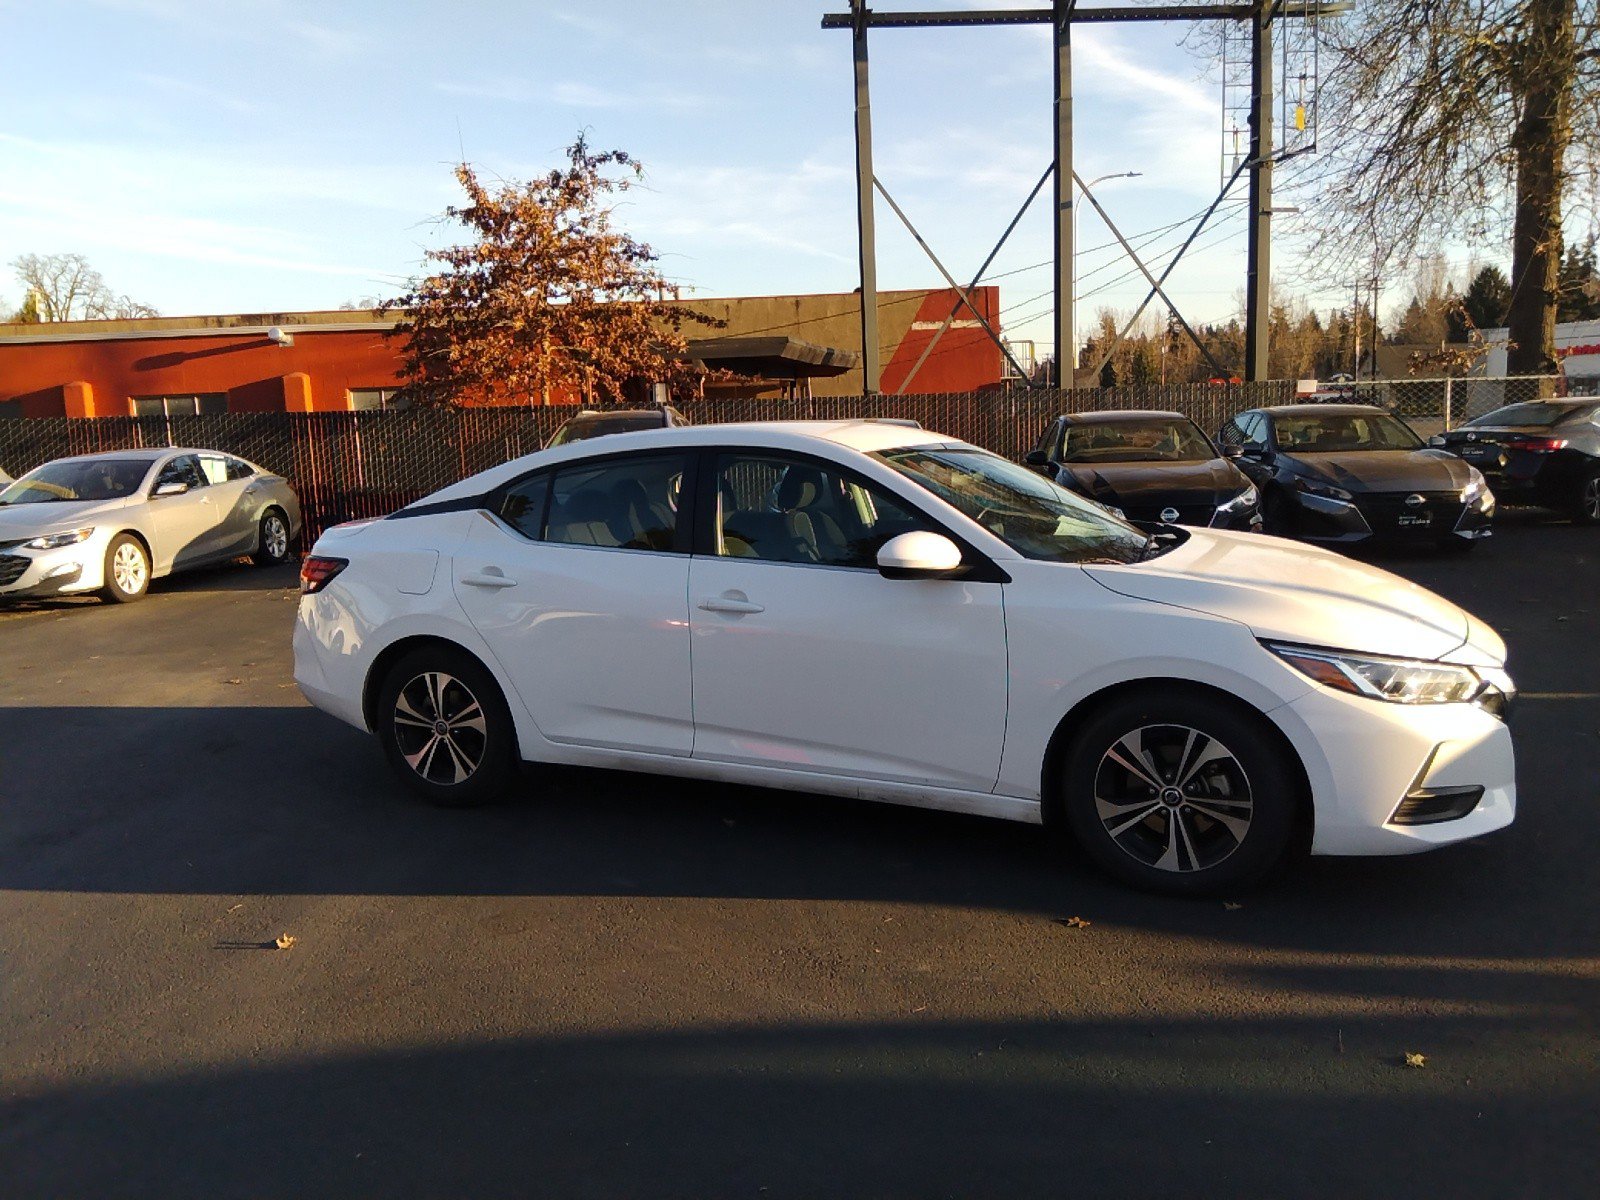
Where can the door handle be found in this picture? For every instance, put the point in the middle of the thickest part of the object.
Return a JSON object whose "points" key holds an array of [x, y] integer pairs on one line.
{"points": [[730, 604], [489, 577]]}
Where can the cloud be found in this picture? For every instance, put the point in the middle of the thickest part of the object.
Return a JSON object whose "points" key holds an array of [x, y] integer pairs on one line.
{"points": [[568, 93], [195, 91]]}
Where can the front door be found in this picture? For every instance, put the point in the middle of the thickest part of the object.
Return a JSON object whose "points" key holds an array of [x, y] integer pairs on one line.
{"points": [[183, 527], [806, 658], [579, 586]]}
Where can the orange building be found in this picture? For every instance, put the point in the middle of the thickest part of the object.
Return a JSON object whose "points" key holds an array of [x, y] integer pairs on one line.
{"points": [[337, 361]]}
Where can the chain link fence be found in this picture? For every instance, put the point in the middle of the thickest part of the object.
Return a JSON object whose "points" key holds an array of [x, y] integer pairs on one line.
{"points": [[365, 464], [1431, 406]]}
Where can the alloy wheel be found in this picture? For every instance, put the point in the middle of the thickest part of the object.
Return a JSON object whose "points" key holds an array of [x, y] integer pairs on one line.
{"points": [[275, 535], [440, 728], [1591, 497], [128, 568], [1173, 798]]}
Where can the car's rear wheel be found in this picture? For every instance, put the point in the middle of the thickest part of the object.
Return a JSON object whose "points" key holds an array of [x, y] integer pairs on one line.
{"points": [[445, 727], [127, 570], [1180, 793], [272, 542], [1586, 509]]}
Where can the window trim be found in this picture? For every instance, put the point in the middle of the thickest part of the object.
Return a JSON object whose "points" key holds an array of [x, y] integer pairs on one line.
{"points": [[980, 568]]}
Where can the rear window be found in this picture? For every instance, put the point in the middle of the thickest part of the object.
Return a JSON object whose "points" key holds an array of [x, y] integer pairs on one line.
{"points": [[1535, 413]]}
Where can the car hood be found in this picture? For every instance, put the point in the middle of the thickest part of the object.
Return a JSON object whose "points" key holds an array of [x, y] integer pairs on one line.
{"points": [[1286, 591], [1140, 484], [1387, 470], [30, 520]]}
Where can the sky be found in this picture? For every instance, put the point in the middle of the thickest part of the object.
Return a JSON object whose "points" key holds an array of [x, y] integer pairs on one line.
{"points": [[270, 155]]}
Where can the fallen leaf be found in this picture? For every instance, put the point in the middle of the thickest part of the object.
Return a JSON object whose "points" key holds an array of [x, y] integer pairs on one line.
{"points": [[233, 681], [1075, 923], [1416, 1060], [285, 940], [1231, 906]]}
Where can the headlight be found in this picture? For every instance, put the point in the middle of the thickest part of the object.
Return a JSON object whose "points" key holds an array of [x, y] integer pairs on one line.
{"points": [[1397, 680], [1326, 490], [53, 541], [1245, 499]]}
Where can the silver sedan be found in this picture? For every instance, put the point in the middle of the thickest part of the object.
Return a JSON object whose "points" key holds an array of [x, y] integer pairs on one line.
{"points": [[112, 522]]}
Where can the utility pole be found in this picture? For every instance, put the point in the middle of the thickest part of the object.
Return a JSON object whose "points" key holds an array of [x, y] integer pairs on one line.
{"points": [[867, 236], [1066, 331], [1258, 270]]}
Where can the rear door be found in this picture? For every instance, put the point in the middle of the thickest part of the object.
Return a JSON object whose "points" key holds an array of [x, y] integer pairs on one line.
{"points": [[235, 532], [578, 583], [806, 658]]}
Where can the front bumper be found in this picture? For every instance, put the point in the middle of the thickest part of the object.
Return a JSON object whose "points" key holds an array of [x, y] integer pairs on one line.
{"points": [[1388, 518], [1363, 758], [30, 574]]}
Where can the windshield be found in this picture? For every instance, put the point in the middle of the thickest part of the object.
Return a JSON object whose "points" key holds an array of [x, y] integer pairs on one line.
{"points": [[1325, 433], [581, 429], [1027, 512], [80, 479], [1529, 414], [1156, 439]]}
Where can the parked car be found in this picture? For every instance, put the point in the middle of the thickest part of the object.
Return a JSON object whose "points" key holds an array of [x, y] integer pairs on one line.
{"points": [[889, 614], [1355, 473], [112, 522], [591, 424], [1545, 453], [1149, 466]]}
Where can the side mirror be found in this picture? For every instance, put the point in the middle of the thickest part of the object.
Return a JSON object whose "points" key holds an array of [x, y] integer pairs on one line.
{"points": [[1036, 458], [171, 489], [1252, 450], [919, 555], [1232, 451]]}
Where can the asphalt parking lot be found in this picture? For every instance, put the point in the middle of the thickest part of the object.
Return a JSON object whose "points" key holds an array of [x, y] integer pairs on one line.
{"points": [[629, 986]]}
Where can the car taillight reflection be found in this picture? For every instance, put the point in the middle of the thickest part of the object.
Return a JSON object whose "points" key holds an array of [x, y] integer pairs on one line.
{"points": [[317, 572]]}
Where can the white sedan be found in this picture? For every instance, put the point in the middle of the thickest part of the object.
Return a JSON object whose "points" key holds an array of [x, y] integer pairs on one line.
{"points": [[110, 523], [867, 610]]}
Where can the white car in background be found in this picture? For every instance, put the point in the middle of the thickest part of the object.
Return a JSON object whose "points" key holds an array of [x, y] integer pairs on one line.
{"points": [[878, 612], [112, 522]]}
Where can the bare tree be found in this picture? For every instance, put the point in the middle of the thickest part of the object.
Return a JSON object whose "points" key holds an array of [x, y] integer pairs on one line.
{"points": [[64, 287], [1452, 120]]}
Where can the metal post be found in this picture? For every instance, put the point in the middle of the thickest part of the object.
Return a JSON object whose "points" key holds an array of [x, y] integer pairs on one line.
{"points": [[1258, 283], [1066, 331], [1447, 382], [866, 237]]}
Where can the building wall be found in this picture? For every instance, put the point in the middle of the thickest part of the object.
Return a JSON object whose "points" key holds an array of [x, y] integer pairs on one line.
{"points": [[96, 368]]}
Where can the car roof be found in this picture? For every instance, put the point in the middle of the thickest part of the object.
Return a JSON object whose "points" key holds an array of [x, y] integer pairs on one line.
{"points": [[616, 414], [1321, 410], [137, 453], [1121, 414], [863, 435]]}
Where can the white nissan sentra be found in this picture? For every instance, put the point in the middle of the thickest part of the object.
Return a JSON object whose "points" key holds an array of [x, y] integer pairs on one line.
{"points": [[863, 609]]}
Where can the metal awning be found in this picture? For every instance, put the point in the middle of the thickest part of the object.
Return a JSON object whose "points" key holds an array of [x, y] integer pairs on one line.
{"points": [[773, 357]]}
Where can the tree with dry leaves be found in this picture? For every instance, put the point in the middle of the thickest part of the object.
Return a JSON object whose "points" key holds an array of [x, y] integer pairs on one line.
{"points": [[1456, 120], [546, 298], [64, 287]]}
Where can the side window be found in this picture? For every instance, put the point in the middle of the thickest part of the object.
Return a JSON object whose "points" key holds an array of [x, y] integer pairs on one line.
{"points": [[794, 511], [1232, 434], [183, 469], [239, 469], [627, 503], [214, 467], [523, 506]]}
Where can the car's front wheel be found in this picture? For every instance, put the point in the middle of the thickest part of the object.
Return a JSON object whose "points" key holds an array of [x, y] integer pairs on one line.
{"points": [[445, 727], [1586, 510], [1180, 793], [272, 541], [127, 570]]}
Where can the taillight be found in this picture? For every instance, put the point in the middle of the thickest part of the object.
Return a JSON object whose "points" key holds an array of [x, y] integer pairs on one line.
{"points": [[317, 572], [1537, 445]]}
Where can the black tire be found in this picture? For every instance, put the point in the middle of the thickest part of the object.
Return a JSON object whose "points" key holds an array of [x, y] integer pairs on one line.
{"points": [[1586, 501], [127, 576], [1219, 831], [272, 539], [475, 762], [1450, 544], [1277, 513]]}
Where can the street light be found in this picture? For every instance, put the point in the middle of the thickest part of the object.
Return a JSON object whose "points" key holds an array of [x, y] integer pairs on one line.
{"points": [[1069, 376]]}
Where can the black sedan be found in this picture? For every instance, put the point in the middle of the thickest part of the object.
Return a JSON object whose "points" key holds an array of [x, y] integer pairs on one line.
{"points": [[589, 423], [1151, 466], [1544, 453], [1354, 473]]}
